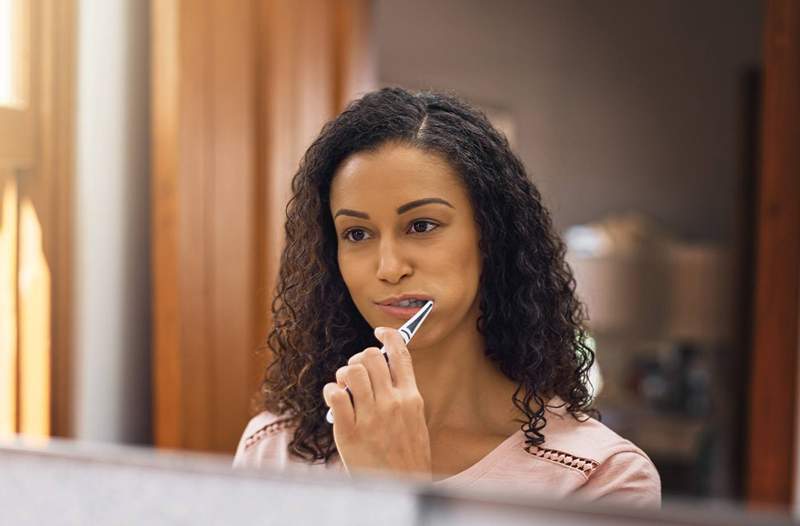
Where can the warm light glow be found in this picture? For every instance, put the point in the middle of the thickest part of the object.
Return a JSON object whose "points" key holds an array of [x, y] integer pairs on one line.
{"points": [[8, 306], [34, 325], [14, 53]]}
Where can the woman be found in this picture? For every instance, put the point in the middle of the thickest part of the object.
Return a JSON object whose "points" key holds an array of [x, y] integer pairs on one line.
{"points": [[415, 196]]}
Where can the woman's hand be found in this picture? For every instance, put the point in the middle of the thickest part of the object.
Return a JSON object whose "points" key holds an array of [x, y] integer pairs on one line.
{"points": [[384, 428]]}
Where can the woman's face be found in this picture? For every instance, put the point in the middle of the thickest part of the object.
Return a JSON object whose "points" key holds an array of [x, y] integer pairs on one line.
{"points": [[405, 226]]}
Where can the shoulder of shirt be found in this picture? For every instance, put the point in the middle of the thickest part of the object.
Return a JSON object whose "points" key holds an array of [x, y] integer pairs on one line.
{"points": [[263, 425], [583, 445]]}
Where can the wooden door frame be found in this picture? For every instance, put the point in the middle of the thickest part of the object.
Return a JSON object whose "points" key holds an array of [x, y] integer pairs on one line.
{"points": [[772, 435]]}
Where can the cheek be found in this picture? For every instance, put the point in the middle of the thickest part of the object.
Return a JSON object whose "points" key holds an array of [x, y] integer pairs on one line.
{"points": [[465, 261], [352, 272], [465, 277]]}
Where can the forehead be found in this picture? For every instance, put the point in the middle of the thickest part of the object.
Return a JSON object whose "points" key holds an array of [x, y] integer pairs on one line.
{"points": [[394, 174]]}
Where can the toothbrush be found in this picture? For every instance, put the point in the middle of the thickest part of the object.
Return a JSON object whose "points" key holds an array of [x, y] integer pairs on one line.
{"points": [[407, 331]]}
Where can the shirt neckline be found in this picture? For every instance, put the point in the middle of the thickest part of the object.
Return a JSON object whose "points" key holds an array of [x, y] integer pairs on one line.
{"points": [[481, 466]]}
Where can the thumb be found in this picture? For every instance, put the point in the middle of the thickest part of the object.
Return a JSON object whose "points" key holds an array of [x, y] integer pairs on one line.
{"points": [[389, 337]]}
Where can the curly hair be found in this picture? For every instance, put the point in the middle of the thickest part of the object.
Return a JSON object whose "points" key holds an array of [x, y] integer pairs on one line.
{"points": [[530, 317]]}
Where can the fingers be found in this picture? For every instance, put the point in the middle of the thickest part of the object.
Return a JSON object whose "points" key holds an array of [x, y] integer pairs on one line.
{"points": [[344, 417], [401, 367], [379, 377], [356, 378], [371, 378]]}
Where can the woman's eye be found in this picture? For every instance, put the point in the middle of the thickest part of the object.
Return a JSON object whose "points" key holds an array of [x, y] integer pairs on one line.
{"points": [[421, 226], [355, 235]]}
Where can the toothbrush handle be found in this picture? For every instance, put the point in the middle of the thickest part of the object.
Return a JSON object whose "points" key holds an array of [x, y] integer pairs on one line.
{"points": [[329, 416]]}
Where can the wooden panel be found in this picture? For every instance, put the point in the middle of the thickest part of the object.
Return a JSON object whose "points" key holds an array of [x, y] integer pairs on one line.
{"points": [[296, 86], [233, 207], [772, 441], [55, 173], [196, 37], [317, 56], [355, 53], [240, 89], [204, 214], [167, 375]]}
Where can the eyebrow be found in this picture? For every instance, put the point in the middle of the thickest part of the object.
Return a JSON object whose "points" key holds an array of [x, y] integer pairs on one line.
{"points": [[400, 209]]}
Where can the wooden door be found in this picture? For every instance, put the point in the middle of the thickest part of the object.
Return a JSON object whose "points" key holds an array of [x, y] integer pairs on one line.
{"points": [[239, 90]]}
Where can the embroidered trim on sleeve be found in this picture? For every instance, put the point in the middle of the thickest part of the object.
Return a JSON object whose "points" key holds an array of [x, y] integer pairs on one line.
{"points": [[268, 429], [584, 465]]}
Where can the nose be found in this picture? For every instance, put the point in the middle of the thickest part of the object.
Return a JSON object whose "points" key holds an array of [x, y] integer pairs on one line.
{"points": [[392, 265]]}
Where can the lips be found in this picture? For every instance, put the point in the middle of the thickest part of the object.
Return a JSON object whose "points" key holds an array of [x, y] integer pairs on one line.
{"points": [[400, 313], [395, 299]]}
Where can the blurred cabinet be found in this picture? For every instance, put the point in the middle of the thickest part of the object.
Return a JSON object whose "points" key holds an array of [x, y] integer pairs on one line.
{"points": [[662, 314]]}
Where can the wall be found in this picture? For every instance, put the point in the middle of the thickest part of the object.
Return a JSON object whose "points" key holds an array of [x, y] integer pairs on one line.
{"points": [[623, 104]]}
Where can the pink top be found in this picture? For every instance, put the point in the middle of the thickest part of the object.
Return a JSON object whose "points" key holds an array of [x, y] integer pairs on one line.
{"points": [[586, 460]]}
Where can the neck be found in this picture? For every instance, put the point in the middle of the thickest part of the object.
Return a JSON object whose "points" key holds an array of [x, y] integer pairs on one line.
{"points": [[461, 388]]}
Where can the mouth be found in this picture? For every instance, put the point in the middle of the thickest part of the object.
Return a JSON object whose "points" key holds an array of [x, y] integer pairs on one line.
{"points": [[403, 306]]}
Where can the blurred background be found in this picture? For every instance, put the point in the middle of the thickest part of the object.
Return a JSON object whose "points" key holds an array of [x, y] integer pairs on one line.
{"points": [[146, 150]]}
